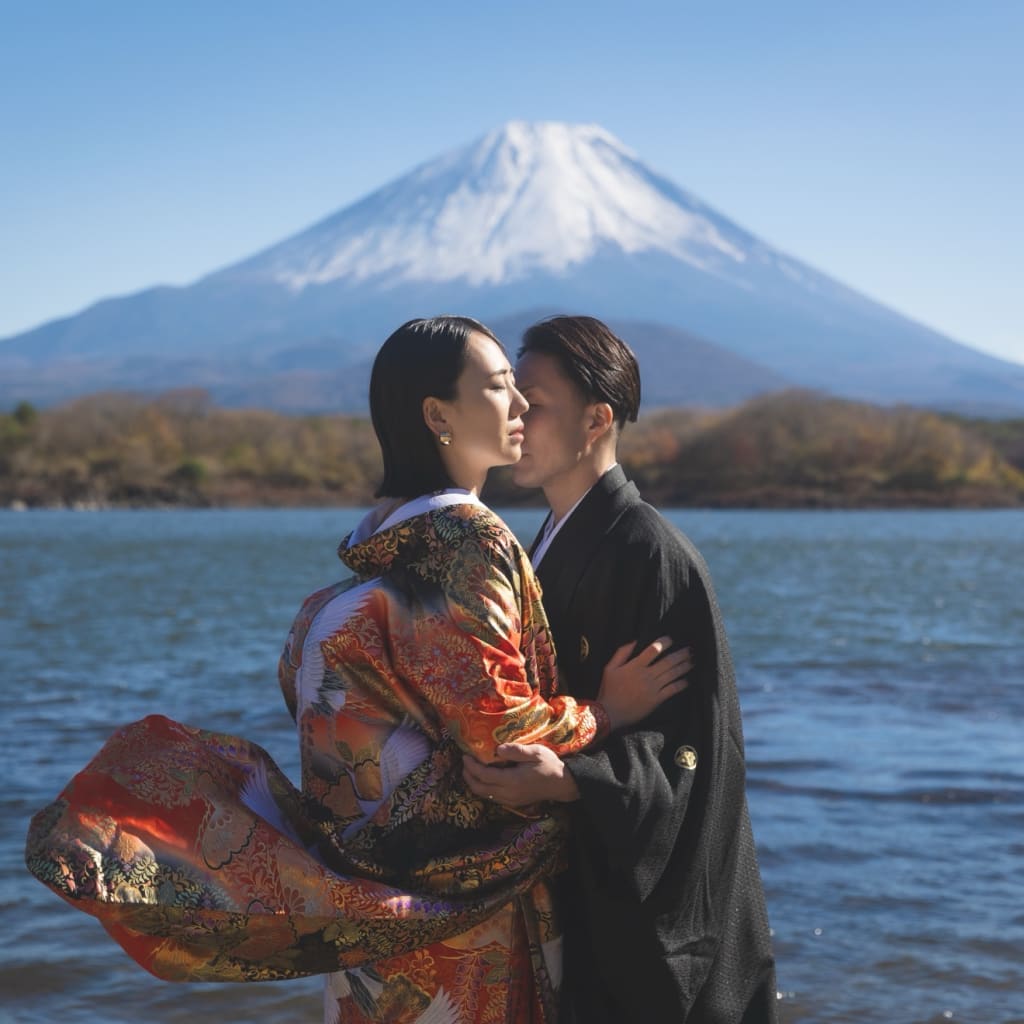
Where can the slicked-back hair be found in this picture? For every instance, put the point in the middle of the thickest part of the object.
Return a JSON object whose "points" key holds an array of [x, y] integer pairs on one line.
{"points": [[422, 359], [597, 361]]}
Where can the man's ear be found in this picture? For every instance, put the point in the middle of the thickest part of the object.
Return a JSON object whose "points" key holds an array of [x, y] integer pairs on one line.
{"points": [[600, 420], [433, 415]]}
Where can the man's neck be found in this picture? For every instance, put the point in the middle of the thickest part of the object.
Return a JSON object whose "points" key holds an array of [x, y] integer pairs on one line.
{"points": [[565, 490]]}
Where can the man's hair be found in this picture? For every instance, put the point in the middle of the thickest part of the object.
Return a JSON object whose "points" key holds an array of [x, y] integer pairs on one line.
{"points": [[422, 359], [598, 362]]}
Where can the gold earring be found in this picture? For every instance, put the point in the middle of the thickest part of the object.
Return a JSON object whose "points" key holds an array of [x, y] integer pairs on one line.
{"points": [[445, 437]]}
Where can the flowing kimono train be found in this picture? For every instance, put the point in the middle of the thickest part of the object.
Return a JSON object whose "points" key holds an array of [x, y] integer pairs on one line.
{"points": [[418, 900]]}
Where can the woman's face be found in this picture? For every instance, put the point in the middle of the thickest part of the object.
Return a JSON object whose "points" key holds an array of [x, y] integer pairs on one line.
{"points": [[485, 417]]}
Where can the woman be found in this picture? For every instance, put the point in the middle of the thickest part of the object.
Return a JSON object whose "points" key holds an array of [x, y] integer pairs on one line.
{"points": [[200, 858]]}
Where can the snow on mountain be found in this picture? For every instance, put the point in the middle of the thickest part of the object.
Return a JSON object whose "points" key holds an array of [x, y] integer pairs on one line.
{"points": [[533, 215], [531, 201], [526, 198]]}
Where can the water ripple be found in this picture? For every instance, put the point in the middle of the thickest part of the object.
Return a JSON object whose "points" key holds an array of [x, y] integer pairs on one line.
{"points": [[880, 660]]}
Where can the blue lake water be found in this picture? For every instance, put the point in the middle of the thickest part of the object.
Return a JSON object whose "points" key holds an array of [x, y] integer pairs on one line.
{"points": [[880, 657]]}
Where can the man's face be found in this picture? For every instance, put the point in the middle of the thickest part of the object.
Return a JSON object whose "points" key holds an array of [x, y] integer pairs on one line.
{"points": [[556, 434]]}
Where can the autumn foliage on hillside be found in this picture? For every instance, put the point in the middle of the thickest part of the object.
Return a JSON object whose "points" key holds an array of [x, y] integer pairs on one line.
{"points": [[806, 449], [178, 449], [788, 449]]}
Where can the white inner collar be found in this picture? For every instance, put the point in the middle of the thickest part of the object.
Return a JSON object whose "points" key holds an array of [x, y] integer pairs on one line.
{"points": [[410, 509]]}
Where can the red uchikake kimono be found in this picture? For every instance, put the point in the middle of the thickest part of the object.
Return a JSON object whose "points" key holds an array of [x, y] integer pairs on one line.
{"points": [[420, 901]]}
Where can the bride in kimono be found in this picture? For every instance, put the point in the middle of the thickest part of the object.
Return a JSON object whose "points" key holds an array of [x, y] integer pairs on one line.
{"points": [[418, 900]]}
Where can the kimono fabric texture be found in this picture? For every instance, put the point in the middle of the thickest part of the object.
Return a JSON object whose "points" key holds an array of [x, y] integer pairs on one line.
{"points": [[419, 901]]}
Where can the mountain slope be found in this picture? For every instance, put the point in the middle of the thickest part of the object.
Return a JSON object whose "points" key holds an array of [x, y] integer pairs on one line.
{"points": [[532, 215]]}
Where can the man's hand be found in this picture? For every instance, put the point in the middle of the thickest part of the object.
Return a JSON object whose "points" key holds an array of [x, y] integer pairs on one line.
{"points": [[536, 774]]}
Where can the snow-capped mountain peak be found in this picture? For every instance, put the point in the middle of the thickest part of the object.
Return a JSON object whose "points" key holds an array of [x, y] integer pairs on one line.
{"points": [[530, 219], [527, 197]]}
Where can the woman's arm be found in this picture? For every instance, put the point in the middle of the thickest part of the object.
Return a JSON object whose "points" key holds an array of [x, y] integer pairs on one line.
{"points": [[499, 679], [532, 773], [492, 672]]}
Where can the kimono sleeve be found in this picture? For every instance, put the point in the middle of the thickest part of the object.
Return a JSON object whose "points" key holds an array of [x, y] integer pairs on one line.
{"points": [[291, 655], [287, 669], [491, 658]]}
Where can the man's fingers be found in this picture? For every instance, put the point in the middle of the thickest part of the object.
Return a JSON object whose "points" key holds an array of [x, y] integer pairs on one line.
{"points": [[479, 774], [483, 783], [518, 752], [470, 776]]}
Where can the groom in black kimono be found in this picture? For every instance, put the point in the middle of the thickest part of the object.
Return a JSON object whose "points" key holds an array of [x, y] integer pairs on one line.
{"points": [[664, 913]]}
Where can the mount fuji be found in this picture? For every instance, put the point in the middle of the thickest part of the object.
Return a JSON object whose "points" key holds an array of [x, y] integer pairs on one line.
{"points": [[531, 219]]}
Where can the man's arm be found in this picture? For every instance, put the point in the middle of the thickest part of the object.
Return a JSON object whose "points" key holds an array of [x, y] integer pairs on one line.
{"points": [[635, 787], [532, 774], [633, 790]]}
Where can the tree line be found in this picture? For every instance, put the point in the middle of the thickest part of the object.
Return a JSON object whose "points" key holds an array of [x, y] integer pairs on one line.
{"points": [[790, 449]]}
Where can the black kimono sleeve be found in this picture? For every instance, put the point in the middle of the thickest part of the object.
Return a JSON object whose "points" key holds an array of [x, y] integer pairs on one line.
{"points": [[635, 788]]}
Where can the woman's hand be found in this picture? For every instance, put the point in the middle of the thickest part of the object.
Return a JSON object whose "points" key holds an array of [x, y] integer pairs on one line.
{"points": [[631, 688]]}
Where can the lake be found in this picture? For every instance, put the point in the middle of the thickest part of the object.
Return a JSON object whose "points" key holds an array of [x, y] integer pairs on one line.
{"points": [[880, 658]]}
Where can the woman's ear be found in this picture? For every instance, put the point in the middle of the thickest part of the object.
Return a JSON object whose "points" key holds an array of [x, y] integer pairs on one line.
{"points": [[433, 415]]}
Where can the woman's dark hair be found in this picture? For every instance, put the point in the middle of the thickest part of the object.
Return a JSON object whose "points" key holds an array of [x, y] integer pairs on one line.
{"points": [[598, 362], [422, 359]]}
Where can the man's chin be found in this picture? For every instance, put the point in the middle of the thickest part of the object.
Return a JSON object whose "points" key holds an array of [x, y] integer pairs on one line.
{"points": [[522, 477]]}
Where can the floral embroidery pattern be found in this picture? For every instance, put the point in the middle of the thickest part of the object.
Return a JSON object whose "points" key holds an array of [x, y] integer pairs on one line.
{"points": [[203, 861]]}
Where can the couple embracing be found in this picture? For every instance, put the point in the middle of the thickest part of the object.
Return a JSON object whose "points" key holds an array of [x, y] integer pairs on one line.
{"points": [[485, 830]]}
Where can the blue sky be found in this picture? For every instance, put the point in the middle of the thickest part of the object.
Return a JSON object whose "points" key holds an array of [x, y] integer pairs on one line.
{"points": [[882, 143]]}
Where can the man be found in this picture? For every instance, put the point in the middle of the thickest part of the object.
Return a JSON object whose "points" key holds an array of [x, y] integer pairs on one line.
{"points": [[664, 910]]}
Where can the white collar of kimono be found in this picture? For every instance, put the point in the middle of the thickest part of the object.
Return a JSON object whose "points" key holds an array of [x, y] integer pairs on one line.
{"points": [[410, 509], [551, 528]]}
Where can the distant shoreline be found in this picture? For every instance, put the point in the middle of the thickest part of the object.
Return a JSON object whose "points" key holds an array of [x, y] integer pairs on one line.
{"points": [[910, 503], [789, 450]]}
